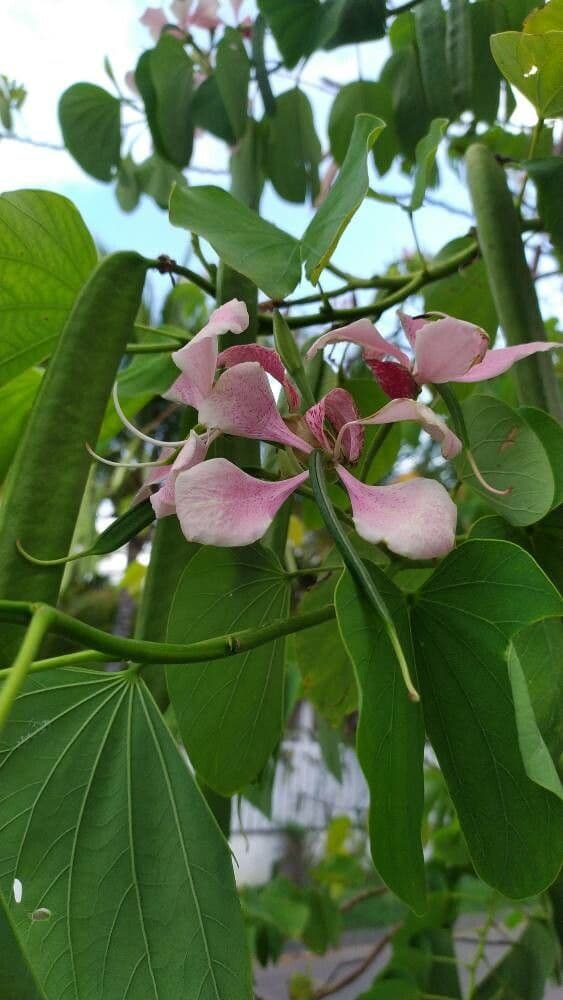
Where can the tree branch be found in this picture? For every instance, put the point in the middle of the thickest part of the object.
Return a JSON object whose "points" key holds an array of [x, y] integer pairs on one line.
{"points": [[329, 988]]}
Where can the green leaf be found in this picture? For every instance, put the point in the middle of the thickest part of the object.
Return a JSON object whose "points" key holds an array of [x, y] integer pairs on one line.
{"points": [[550, 434], [510, 14], [127, 189], [425, 160], [46, 255], [232, 72], [343, 200], [547, 175], [522, 973], [362, 97], [485, 77], [534, 65], [247, 243], [401, 74], [247, 174], [508, 455], [328, 676], [390, 736], [535, 755], [458, 52], [17, 981], [90, 122], [329, 744], [292, 150], [156, 178], [465, 293], [16, 400], [295, 25], [171, 71], [92, 783], [209, 111], [548, 18], [230, 711], [430, 25], [539, 649], [354, 20], [258, 58], [463, 620]]}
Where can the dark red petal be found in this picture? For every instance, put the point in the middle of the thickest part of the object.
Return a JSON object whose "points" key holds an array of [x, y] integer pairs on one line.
{"points": [[396, 381]]}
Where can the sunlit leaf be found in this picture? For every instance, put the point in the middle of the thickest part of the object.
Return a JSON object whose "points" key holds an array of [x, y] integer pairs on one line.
{"points": [[534, 64], [17, 981], [90, 122]]}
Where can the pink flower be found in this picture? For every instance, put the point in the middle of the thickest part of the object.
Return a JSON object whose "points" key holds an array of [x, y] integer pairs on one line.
{"points": [[203, 15], [445, 350]]}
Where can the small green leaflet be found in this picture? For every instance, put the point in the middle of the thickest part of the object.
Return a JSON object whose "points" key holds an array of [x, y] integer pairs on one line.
{"points": [[244, 241], [90, 121], [106, 829], [230, 711], [343, 200]]}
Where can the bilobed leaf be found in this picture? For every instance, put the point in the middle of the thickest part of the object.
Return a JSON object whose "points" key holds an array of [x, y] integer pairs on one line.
{"points": [[534, 65], [535, 755], [510, 456], [425, 161], [295, 25], [109, 833], [232, 72], [463, 620], [17, 980], [390, 735], [522, 973], [362, 97], [229, 711], [327, 673], [246, 242], [343, 200], [430, 24], [46, 256], [16, 400], [292, 149], [465, 293], [550, 434], [90, 122]]}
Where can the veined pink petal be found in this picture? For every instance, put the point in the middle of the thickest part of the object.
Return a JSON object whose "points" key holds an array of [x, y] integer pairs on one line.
{"points": [[502, 358], [364, 333], [154, 19], [267, 358], [219, 504], [198, 359], [416, 519], [242, 403], [411, 325], [193, 452], [339, 408], [446, 349], [409, 409]]}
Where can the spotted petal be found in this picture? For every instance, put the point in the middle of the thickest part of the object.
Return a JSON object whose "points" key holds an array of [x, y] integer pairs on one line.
{"points": [[446, 349], [363, 333], [500, 360], [193, 452], [339, 408], [198, 360], [219, 504], [267, 358], [242, 403], [416, 519], [408, 409]]}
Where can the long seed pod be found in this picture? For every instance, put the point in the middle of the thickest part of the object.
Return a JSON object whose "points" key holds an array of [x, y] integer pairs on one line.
{"points": [[500, 241], [49, 473]]}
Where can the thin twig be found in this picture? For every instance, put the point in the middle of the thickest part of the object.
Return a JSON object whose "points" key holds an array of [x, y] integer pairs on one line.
{"points": [[328, 989]]}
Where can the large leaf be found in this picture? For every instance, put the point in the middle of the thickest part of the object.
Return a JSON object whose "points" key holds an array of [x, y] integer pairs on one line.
{"points": [[328, 676], [401, 74], [362, 97], [510, 456], [458, 51], [247, 243], [390, 736], [16, 400], [485, 77], [232, 72], [46, 255], [295, 25], [430, 24], [464, 618], [172, 76], [539, 649], [209, 111], [292, 150], [229, 711], [534, 64], [347, 22], [522, 973], [106, 829], [465, 293], [17, 981], [90, 122], [535, 755], [343, 200], [425, 161]]}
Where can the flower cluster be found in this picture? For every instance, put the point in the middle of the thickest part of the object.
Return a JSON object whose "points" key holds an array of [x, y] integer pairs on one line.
{"points": [[187, 14]]}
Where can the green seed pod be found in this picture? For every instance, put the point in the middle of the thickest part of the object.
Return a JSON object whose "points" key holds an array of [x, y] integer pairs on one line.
{"points": [[49, 473]]}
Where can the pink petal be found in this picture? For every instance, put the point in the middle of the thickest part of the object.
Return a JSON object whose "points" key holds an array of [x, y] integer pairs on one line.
{"points": [[339, 408], [446, 349], [411, 325], [154, 19], [500, 360], [198, 359], [205, 14], [269, 360], [416, 519], [193, 452], [408, 409], [242, 403], [236, 5], [396, 381], [219, 504], [364, 333]]}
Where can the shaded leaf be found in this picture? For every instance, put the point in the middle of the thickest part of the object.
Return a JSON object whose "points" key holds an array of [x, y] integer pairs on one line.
{"points": [[292, 150], [547, 175], [485, 77], [171, 71], [353, 20], [156, 177], [295, 25], [463, 620], [247, 172], [430, 25], [425, 161], [362, 97], [209, 111], [539, 649], [90, 121], [247, 243], [522, 973], [465, 293], [232, 72], [550, 434], [411, 116], [16, 400], [17, 980], [535, 755], [459, 53]]}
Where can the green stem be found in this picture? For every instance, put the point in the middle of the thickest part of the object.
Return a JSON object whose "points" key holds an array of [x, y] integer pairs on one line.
{"points": [[65, 660], [377, 443], [22, 612], [162, 347], [291, 357], [533, 146], [193, 276], [41, 621], [355, 565]]}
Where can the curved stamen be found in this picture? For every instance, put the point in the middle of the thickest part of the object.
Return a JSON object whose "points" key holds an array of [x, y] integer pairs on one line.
{"points": [[123, 465], [135, 430], [481, 479]]}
